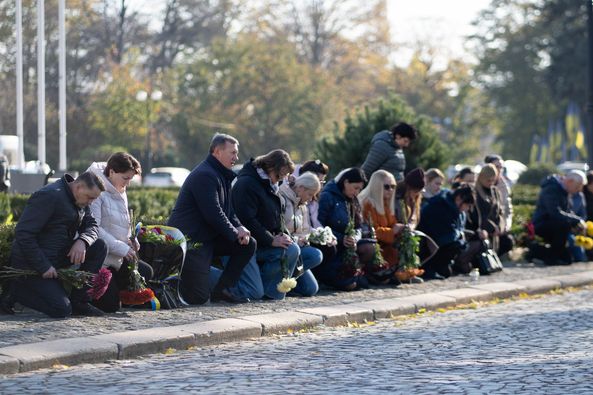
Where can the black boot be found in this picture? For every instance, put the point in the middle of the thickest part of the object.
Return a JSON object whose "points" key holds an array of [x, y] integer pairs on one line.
{"points": [[6, 300]]}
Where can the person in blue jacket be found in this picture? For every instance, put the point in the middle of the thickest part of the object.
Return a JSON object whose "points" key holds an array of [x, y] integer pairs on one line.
{"points": [[338, 206], [443, 219]]}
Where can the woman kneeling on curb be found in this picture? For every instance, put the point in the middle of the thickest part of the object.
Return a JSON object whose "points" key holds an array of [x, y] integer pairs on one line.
{"points": [[112, 215], [296, 196], [340, 210]]}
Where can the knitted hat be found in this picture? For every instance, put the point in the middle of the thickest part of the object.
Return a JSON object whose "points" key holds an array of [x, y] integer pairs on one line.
{"points": [[415, 179]]}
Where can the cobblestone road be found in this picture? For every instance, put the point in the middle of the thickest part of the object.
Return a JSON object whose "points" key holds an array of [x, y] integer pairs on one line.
{"points": [[29, 326], [541, 346]]}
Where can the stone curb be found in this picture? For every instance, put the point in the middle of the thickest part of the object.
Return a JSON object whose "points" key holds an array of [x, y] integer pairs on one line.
{"points": [[124, 345]]}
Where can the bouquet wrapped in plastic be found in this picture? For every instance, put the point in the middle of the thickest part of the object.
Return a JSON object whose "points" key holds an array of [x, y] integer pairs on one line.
{"points": [[163, 248]]}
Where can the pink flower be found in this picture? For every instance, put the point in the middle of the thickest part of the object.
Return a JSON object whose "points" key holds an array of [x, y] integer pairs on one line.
{"points": [[99, 283]]}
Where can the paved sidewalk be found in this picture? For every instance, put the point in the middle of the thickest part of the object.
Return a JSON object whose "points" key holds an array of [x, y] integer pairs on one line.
{"points": [[30, 341]]}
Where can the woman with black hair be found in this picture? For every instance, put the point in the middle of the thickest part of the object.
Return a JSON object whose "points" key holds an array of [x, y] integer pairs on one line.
{"points": [[340, 210]]}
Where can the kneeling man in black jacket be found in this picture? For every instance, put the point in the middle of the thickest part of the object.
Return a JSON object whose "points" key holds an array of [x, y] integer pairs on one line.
{"points": [[57, 230]]}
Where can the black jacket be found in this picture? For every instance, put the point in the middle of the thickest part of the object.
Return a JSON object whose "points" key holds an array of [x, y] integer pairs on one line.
{"points": [[487, 213], [48, 227], [552, 204], [442, 221], [203, 210], [257, 205]]}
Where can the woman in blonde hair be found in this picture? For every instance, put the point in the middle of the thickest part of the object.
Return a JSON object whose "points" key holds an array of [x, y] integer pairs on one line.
{"points": [[378, 210], [434, 179]]}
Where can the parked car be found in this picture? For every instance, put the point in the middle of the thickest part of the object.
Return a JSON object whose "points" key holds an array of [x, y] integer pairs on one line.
{"points": [[161, 177]]}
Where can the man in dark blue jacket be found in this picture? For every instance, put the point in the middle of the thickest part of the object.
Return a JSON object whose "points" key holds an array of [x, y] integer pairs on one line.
{"points": [[204, 213], [443, 219], [57, 230], [554, 218]]}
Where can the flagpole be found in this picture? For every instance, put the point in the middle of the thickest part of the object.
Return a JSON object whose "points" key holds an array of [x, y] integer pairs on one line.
{"points": [[590, 93], [20, 157], [41, 81], [62, 79]]}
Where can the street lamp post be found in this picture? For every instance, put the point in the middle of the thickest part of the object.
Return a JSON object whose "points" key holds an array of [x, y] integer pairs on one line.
{"points": [[590, 85], [149, 98]]}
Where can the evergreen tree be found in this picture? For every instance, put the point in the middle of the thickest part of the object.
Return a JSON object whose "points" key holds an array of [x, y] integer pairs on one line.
{"points": [[349, 147]]}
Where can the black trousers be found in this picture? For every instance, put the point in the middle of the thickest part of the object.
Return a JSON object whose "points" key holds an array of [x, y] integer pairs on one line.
{"points": [[442, 261], [110, 302], [505, 243], [452, 256], [194, 286], [556, 234], [49, 296]]}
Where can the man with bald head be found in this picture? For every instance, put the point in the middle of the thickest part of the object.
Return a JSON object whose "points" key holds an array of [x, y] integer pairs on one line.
{"points": [[554, 218]]}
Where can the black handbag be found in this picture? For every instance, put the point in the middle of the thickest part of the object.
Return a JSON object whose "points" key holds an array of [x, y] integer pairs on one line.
{"points": [[487, 261]]}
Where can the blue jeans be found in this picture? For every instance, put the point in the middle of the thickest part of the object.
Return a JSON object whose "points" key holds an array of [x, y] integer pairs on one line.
{"points": [[271, 269], [249, 285], [306, 283], [578, 253]]}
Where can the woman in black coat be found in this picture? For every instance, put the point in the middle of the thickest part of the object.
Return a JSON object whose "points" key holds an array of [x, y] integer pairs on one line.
{"points": [[487, 218]]}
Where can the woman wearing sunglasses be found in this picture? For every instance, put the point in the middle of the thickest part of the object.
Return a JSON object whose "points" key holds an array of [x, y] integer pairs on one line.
{"points": [[378, 210]]}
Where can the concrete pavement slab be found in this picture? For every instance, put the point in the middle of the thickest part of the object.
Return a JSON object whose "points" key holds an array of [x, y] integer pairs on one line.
{"points": [[467, 295], [575, 280], [281, 322], [63, 352], [8, 365], [430, 301], [502, 289], [148, 341], [387, 307], [341, 314], [538, 286], [224, 330]]}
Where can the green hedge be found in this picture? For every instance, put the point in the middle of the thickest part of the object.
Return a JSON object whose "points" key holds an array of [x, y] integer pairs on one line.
{"points": [[536, 174], [525, 194], [151, 205]]}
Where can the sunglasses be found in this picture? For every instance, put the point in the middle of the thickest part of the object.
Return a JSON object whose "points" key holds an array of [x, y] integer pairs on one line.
{"points": [[389, 186]]}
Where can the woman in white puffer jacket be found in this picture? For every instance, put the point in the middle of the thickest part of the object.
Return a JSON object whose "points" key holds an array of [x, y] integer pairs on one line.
{"points": [[112, 215]]}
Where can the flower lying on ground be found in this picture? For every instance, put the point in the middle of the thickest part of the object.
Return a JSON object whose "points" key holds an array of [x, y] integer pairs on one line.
{"points": [[137, 297]]}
